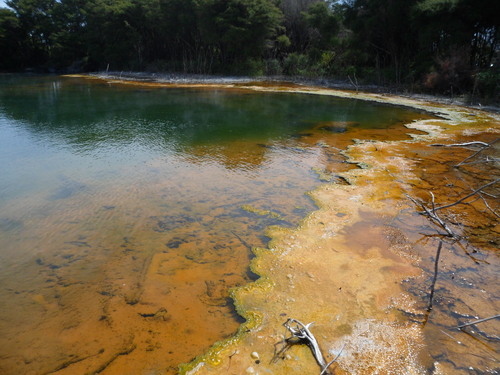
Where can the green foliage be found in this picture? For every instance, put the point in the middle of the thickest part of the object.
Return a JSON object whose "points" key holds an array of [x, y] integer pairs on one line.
{"points": [[239, 29], [296, 64], [488, 85], [273, 67], [441, 45], [10, 40], [323, 22]]}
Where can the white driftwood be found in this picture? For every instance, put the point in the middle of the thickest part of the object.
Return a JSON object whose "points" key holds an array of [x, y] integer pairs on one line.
{"points": [[301, 331]]}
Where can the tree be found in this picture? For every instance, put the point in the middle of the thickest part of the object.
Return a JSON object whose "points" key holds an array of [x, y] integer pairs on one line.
{"points": [[11, 40], [239, 30], [38, 25], [458, 43], [383, 34]]}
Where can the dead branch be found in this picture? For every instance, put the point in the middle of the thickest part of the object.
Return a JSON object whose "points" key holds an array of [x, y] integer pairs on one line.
{"points": [[488, 145], [355, 82], [302, 333], [436, 268], [332, 361], [478, 321], [483, 146], [243, 242], [472, 257], [486, 160], [468, 195], [433, 215], [487, 205], [466, 144]]}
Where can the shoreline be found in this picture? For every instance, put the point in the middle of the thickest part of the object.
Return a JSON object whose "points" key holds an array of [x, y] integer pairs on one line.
{"points": [[336, 268], [196, 79]]}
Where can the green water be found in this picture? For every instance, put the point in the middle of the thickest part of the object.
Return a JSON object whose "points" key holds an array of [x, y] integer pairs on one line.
{"points": [[119, 202]]}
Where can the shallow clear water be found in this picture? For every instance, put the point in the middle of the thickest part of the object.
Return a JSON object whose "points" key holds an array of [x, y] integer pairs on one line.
{"points": [[127, 213]]}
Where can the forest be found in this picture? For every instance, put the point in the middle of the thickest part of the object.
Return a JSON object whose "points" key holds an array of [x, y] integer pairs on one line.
{"points": [[437, 46]]}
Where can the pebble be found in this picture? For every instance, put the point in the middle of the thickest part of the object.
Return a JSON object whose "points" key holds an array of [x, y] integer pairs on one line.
{"points": [[250, 370], [255, 355]]}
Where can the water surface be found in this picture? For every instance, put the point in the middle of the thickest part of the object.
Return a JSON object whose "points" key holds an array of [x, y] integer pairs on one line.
{"points": [[127, 213]]}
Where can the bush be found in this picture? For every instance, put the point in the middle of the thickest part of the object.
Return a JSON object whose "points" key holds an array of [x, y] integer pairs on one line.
{"points": [[249, 67], [296, 64], [452, 73], [273, 67], [487, 85]]}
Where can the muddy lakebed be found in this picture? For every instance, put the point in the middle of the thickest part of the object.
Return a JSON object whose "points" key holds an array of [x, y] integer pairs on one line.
{"points": [[148, 225]]}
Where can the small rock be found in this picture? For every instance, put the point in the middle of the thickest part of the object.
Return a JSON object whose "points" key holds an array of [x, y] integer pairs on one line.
{"points": [[250, 370], [255, 355]]}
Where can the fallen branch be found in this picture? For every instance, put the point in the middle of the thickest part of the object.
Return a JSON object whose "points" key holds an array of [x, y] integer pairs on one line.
{"points": [[466, 144], [433, 215], [478, 321], [436, 269], [483, 146], [468, 195], [488, 206], [302, 333]]}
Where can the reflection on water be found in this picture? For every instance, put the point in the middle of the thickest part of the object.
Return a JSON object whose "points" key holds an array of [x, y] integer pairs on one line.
{"points": [[127, 214]]}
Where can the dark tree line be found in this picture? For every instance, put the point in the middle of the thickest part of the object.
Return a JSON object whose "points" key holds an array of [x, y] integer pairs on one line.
{"points": [[441, 45]]}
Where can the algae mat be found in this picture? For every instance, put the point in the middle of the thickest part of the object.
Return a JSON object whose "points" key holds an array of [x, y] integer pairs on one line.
{"points": [[362, 266]]}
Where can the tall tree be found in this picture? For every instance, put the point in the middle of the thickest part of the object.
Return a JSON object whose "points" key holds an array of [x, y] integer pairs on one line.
{"points": [[36, 18], [11, 41], [240, 29], [383, 33]]}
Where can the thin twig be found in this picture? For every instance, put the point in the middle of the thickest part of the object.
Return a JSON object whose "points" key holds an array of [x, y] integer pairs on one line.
{"points": [[436, 263], [355, 84], [485, 161], [478, 321], [487, 205], [332, 361], [476, 153], [468, 195], [433, 216]]}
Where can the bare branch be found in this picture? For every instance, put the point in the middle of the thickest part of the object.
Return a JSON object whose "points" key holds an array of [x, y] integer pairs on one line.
{"points": [[301, 332], [433, 215], [469, 195], [478, 321], [466, 144], [487, 205], [436, 268], [483, 146], [476, 153], [332, 361], [355, 82]]}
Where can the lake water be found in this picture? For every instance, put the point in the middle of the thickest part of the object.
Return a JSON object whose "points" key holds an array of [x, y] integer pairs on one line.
{"points": [[127, 213]]}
